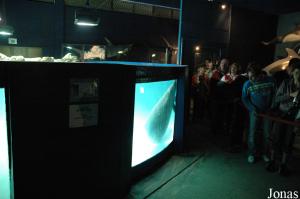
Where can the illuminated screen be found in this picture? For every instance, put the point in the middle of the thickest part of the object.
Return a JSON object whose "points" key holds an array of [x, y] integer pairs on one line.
{"points": [[4, 159], [154, 116]]}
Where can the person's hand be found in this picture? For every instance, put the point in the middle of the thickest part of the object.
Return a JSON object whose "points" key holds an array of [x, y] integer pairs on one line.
{"points": [[294, 94], [255, 112]]}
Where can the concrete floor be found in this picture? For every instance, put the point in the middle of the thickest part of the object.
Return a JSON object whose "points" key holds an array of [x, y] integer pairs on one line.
{"points": [[207, 171]]}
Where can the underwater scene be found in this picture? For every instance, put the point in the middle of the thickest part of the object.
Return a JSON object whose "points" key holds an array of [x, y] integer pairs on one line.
{"points": [[4, 158], [154, 118]]}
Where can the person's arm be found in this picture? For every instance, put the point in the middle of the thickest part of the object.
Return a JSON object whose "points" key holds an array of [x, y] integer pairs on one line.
{"points": [[216, 75], [297, 119], [246, 98], [195, 80]]}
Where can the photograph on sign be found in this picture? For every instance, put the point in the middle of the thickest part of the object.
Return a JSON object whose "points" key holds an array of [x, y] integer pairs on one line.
{"points": [[84, 90]]}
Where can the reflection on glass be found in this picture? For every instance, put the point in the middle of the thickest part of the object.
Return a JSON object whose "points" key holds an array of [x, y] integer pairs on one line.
{"points": [[154, 116], [4, 158]]}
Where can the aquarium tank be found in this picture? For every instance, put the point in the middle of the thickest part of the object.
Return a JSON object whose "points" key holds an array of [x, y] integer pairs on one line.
{"points": [[154, 118], [4, 155]]}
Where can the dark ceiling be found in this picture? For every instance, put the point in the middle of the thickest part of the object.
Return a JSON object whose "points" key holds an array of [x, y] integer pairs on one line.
{"points": [[268, 6]]}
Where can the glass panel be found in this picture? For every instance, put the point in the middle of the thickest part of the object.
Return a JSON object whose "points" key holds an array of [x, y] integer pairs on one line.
{"points": [[4, 157], [154, 117]]}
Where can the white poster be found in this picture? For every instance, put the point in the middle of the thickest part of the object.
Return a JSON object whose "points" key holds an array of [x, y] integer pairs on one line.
{"points": [[83, 115]]}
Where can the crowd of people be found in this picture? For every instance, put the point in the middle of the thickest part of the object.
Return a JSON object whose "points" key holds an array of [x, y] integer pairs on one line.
{"points": [[253, 105]]}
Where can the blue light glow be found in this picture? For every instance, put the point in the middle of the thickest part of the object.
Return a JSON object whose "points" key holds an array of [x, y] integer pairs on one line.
{"points": [[136, 64], [4, 158], [154, 117]]}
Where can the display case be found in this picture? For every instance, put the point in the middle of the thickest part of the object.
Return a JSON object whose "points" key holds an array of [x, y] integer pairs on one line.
{"points": [[77, 128]]}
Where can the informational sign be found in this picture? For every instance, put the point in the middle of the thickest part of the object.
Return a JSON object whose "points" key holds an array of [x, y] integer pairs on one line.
{"points": [[84, 102], [13, 41], [83, 115], [84, 90]]}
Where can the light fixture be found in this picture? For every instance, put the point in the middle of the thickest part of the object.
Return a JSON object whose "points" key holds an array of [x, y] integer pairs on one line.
{"points": [[197, 48], [223, 6], [153, 55], [85, 18], [120, 52], [85, 23], [6, 30]]}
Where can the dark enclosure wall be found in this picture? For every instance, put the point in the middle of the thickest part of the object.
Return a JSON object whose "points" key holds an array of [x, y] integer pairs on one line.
{"points": [[52, 160], [55, 153], [248, 29]]}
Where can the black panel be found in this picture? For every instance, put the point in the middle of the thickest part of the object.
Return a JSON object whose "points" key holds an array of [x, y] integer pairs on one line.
{"points": [[52, 160]]}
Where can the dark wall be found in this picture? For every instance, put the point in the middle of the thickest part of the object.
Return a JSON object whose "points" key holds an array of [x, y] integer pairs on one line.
{"points": [[34, 24], [119, 28], [248, 29], [207, 25], [206, 22], [169, 3], [48, 25]]}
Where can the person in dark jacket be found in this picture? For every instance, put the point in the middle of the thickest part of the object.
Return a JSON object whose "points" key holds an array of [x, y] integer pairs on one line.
{"points": [[200, 90], [257, 96], [217, 103], [287, 100], [235, 111]]}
